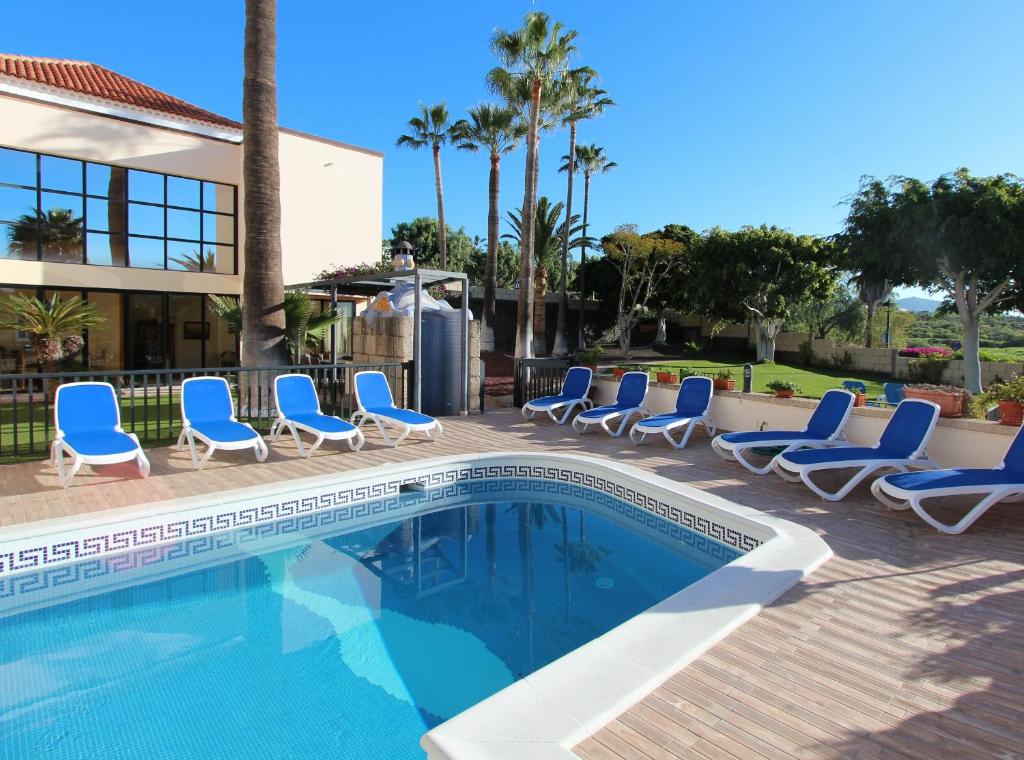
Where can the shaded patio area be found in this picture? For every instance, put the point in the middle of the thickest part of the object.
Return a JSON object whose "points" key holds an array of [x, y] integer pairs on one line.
{"points": [[906, 643]]}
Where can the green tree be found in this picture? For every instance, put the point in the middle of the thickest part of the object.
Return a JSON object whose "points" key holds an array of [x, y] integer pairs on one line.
{"points": [[422, 231], [194, 261], [839, 313], [644, 263], [432, 128], [497, 130], [54, 327], [591, 161], [580, 100], [759, 273], [965, 237], [533, 59], [549, 232], [58, 231], [263, 281]]}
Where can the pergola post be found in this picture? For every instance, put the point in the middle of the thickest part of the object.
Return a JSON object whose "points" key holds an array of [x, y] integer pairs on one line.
{"points": [[417, 334], [464, 315]]}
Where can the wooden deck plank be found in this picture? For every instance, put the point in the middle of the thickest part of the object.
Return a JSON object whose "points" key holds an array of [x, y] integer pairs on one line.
{"points": [[906, 643]]}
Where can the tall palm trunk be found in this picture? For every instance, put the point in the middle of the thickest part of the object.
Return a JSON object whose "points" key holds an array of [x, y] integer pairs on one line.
{"points": [[263, 341], [524, 316], [442, 231], [561, 339], [869, 325], [583, 260], [491, 264]]}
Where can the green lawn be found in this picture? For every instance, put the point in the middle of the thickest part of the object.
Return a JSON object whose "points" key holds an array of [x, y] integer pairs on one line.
{"points": [[813, 382]]}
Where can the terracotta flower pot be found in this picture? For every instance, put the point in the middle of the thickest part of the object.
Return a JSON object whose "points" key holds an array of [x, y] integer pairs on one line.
{"points": [[618, 372], [725, 385], [950, 404], [667, 377], [784, 394], [1011, 413], [860, 399]]}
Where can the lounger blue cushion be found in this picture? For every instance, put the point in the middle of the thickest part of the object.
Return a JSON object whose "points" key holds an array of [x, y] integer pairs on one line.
{"points": [[577, 383], [760, 436], [547, 401], [323, 423], [206, 399], [407, 416], [224, 431], [100, 442], [601, 411], [86, 408], [660, 420], [829, 414], [841, 454], [296, 395], [907, 427], [632, 390], [935, 479], [693, 397]]}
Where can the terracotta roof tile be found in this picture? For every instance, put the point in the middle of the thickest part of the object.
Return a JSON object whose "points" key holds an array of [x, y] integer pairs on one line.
{"points": [[86, 78]]}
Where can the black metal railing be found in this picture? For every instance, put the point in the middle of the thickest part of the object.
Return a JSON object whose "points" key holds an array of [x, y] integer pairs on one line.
{"points": [[533, 378], [150, 399]]}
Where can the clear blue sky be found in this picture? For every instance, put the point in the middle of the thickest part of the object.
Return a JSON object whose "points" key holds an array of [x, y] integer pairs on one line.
{"points": [[729, 113]]}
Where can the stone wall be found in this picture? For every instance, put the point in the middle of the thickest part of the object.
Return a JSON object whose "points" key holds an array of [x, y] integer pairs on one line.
{"points": [[389, 339]]}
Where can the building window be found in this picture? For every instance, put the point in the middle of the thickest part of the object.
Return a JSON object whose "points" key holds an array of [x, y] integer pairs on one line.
{"points": [[80, 212]]}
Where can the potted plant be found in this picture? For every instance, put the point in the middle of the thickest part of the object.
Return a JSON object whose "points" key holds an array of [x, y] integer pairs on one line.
{"points": [[724, 380], [589, 357], [1009, 396], [666, 376], [951, 400], [54, 326], [619, 372], [783, 388]]}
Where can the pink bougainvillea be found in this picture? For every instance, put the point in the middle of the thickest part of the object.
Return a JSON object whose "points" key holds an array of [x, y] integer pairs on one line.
{"points": [[926, 352]]}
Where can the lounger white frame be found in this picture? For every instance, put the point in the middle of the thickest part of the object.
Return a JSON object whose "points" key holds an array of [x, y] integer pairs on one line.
{"points": [[353, 437], [570, 405], [626, 414], [666, 430], [404, 428], [866, 467], [733, 452], [60, 447], [190, 434], [899, 499]]}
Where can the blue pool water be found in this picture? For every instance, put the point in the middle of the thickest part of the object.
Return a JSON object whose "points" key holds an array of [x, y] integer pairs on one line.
{"points": [[327, 644]]}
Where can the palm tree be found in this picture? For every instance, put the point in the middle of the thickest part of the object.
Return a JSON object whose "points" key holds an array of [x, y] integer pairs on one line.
{"points": [[591, 160], [533, 59], [196, 261], [498, 130], [581, 101], [432, 128], [549, 231], [58, 230], [54, 327], [263, 283], [305, 327]]}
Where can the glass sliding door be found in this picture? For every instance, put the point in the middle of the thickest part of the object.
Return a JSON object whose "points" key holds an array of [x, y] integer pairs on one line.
{"points": [[106, 341], [186, 330], [144, 329]]}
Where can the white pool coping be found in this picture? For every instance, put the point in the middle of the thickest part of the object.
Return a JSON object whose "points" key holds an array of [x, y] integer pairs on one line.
{"points": [[551, 710]]}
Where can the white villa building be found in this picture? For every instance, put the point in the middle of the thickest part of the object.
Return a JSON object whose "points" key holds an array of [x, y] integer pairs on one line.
{"points": [[133, 198]]}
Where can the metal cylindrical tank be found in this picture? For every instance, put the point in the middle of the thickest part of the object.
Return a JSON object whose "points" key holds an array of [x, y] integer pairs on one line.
{"points": [[441, 375]]}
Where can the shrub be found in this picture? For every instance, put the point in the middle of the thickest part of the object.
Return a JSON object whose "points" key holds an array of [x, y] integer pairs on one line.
{"points": [[782, 385], [589, 355], [926, 352], [1012, 390], [927, 370]]}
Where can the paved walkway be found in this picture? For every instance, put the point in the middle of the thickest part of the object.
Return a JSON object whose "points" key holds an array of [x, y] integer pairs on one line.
{"points": [[906, 644]]}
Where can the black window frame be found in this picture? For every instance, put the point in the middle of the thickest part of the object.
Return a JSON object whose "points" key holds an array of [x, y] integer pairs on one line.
{"points": [[84, 196]]}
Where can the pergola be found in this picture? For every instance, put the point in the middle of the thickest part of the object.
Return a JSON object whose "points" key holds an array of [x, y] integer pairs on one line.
{"points": [[372, 283]]}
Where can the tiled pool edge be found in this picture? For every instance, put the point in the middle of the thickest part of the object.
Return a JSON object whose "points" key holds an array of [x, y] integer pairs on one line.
{"points": [[548, 712]]}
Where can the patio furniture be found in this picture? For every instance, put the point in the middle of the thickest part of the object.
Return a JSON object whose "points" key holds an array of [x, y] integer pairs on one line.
{"points": [[298, 408], [892, 394], [88, 422], [574, 393], [693, 403], [629, 400], [376, 404], [207, 415], [855, 386], [823, 429], [902, 445], [1003, 483]]}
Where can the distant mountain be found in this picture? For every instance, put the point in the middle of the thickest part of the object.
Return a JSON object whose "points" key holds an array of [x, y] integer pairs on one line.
{"points": [[918, 304]]}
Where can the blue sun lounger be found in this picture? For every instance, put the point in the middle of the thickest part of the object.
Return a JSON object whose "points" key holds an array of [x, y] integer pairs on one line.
{"points": [[574, 393], [692, 405], [903, 445], [823, 429], [207, 416], [88, 423], [1003, 483], [628, 401], [376, 405], [298, 408]]}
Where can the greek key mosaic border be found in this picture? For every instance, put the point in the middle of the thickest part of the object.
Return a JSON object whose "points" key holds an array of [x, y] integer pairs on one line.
{"points": [[340, 506]]}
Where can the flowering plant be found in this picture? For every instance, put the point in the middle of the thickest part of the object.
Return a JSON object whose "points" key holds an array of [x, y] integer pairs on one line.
{"points": [[927, 352]]}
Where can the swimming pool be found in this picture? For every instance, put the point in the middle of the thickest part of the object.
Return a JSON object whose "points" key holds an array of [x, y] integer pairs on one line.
{"points": [[351, 630]]}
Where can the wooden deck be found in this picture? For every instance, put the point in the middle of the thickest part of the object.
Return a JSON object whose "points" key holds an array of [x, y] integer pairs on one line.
{"points": [[907, 643]]}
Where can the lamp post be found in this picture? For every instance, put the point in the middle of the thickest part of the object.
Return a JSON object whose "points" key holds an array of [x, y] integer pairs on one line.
{"points": [[888, 320]]}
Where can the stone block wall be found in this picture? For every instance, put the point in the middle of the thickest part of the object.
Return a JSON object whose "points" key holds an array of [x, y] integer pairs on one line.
{"points": [[389, 339]]}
